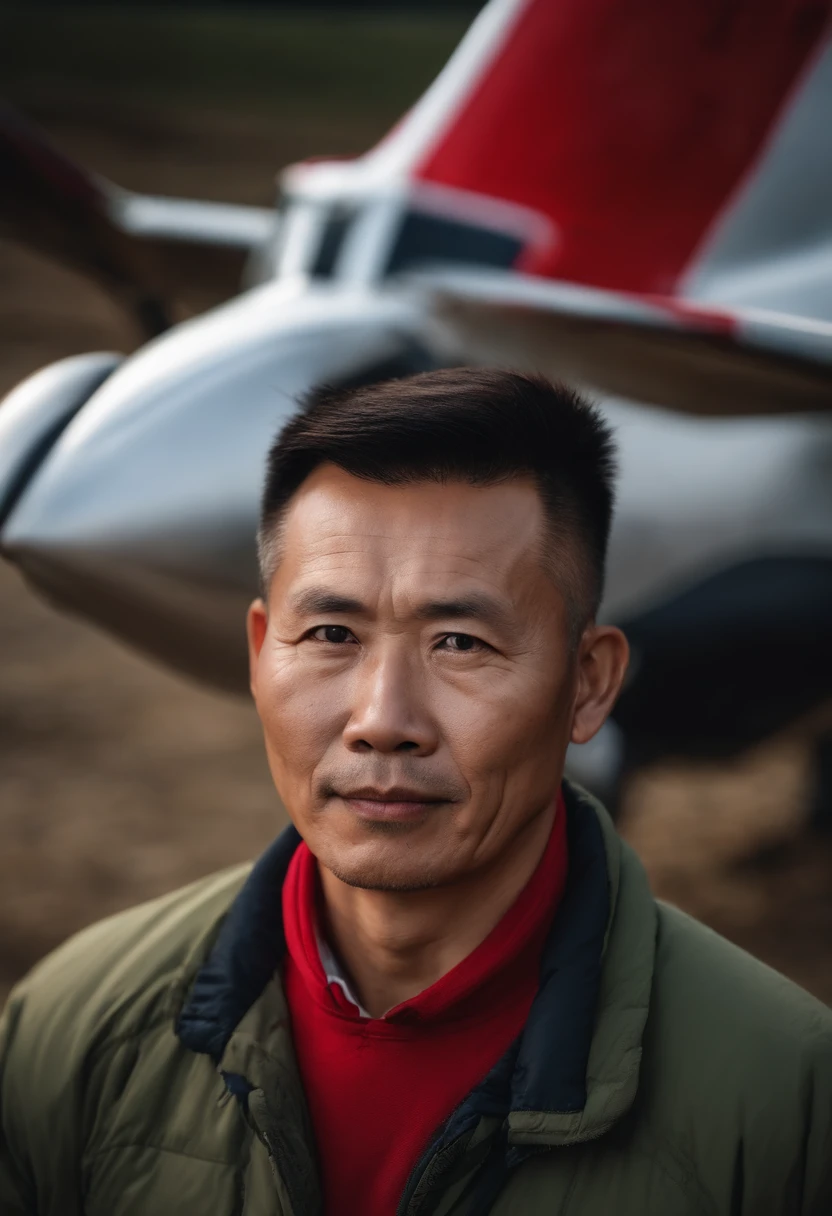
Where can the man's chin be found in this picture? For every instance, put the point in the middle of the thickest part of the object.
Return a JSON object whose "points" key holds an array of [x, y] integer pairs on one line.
{"points": [[387, 865], [381, 880]]}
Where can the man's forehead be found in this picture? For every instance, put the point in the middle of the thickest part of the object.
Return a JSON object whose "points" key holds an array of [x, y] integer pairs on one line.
{"points": [[335, 512]]}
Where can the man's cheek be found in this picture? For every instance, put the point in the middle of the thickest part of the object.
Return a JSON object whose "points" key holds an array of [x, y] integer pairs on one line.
{"points": [[480, 729], [286, 680], [301, 717]]}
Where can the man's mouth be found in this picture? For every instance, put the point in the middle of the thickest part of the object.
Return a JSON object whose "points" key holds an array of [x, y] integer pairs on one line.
{"points": [[397, 804]]}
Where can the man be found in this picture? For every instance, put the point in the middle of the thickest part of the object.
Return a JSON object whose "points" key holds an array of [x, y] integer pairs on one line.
{"points": [[447, 989]]}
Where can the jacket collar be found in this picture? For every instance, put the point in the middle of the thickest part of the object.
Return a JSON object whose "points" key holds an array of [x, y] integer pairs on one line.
{"points": [[248, 951], [624, 953], [574, 1070]]}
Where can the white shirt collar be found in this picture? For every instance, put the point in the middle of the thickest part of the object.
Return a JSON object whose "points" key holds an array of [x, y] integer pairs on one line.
{"points": [[334, 974]]}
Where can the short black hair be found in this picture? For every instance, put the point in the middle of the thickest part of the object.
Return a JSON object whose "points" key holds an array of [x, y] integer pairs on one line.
{"points": [[480, 425]]}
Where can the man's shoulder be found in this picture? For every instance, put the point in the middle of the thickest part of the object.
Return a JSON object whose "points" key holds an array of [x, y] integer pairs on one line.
{"points": [[736, 1074], [737, 1066], [709, 991], [112, 977], [75, 1027]]}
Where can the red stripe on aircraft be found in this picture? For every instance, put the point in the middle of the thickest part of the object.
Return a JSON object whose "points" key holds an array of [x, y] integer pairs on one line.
{"points": [[628, 122]]}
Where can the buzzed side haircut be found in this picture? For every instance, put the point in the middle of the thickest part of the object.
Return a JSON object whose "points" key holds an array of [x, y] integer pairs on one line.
{"points": [[478, 425]]}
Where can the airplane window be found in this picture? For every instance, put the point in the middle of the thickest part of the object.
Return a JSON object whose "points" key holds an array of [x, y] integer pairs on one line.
{"points": [[332, 237], [429, 238]]}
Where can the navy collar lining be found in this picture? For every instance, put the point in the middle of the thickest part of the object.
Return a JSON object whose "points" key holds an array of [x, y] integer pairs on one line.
{"points": [[245, 956], [550, 1072]]}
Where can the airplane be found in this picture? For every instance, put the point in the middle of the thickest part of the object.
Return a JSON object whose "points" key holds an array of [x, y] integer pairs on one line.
{"points": [[631, 196]]}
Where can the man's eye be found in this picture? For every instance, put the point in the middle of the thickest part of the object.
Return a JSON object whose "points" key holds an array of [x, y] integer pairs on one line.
{"points": [[460, 642], [332, 633]]}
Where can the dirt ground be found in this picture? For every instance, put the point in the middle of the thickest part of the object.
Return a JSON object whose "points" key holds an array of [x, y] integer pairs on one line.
{"points": [[119, 781]]}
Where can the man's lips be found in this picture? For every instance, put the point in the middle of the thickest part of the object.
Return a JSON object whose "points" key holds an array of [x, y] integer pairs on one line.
{"points": [[396, 803]]}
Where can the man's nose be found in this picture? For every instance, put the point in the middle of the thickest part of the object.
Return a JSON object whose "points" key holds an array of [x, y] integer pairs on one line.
{"points": [[390, 711]]}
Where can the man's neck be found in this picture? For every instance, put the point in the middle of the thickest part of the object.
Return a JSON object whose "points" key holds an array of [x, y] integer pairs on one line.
{"points": [[395, 944]]}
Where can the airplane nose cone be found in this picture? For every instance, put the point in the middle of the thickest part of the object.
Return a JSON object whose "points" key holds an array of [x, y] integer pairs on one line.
{"points": [[142, 517], [33, 415]]}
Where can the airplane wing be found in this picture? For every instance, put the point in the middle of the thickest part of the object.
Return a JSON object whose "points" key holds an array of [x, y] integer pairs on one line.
{"points": [[665, 351], [149, 252]]}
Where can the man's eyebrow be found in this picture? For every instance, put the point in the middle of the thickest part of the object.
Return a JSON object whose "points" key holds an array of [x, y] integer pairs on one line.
{"points": [[319, 600], [472, 606], [475, 606]]}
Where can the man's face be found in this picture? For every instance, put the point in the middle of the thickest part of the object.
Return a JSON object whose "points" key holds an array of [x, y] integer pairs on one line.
{"points": [[413, 674]]}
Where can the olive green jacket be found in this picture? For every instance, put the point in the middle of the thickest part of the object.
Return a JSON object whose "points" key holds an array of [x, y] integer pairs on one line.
{"points": [[147, 1067]]}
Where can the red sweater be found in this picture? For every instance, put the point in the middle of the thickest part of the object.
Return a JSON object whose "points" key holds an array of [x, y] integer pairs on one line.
{"points": [[378, 1088]]}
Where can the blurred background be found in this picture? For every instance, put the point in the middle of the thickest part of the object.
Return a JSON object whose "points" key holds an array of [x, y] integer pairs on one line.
{"points": [[120, 780]]}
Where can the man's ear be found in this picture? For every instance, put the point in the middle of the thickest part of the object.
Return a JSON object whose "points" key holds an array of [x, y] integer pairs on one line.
{"points": [[603, 655], [257, 620]]}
